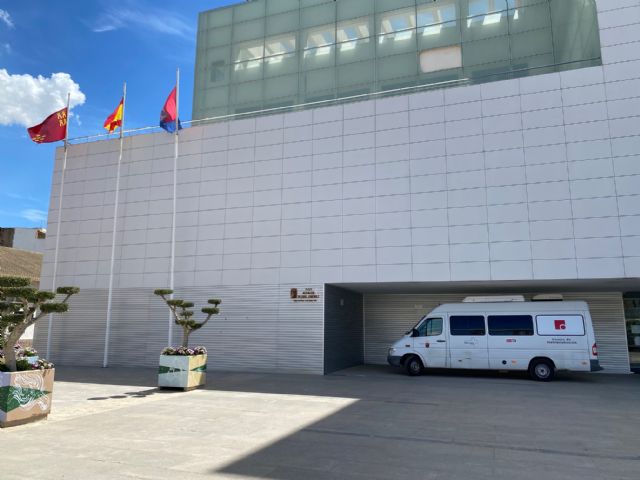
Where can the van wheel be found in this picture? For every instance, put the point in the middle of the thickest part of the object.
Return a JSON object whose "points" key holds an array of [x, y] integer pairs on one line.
{"points": [[413, 366], [542, 370]]}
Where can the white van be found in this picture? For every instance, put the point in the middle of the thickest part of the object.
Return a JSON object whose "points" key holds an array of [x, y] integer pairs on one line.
{"points": [[539, 337]]}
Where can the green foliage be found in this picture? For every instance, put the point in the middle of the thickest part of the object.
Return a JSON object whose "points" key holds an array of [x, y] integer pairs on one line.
{"points": [[182, 314], [68, 290], [21, 306], [162, 291], [14, 282], [54, 307]]}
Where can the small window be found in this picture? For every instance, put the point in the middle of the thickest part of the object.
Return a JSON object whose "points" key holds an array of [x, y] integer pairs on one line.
{"points": [[467, 325], [431, 327], [444, 58], [510, 325], [218, 71]]}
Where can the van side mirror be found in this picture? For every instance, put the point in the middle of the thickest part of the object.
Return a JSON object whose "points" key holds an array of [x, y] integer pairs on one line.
{"points": [[414, 332]]}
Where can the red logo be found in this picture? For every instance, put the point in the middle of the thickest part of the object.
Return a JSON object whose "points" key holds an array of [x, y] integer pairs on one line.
{"points": [[560, 324]]}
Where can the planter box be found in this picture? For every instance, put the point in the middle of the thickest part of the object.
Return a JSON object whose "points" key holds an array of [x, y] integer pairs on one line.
{"points": [[25, 396], [180, 371]]}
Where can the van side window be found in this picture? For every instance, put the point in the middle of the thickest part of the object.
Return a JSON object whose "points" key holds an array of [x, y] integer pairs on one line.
{"points": [[431, 327], [510, 325], [467, 325]]}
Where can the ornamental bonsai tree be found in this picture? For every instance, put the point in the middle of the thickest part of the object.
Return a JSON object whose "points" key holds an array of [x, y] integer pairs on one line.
{"points": [[182, 313], [21, 306]]}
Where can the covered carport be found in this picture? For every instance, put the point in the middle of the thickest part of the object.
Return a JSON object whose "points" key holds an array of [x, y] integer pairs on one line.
{"points": [[363, 319]]}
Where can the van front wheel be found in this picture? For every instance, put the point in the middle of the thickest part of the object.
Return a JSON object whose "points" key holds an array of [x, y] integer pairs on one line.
{"points": [[541, 370], [413, 366]]}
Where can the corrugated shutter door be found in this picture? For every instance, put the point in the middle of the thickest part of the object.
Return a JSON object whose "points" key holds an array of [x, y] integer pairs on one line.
{"points": [[389, 316], [607, 314]]}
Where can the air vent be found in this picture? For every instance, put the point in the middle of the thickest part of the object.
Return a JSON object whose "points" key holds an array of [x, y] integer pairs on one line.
{"points": [[496, 299]]}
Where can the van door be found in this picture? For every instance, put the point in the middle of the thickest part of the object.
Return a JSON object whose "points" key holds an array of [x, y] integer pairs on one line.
{"points": [[468, 341], [431, 343]]}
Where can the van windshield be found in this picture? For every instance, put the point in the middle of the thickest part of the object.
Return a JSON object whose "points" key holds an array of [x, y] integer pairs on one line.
{"points": [[416, 325]]}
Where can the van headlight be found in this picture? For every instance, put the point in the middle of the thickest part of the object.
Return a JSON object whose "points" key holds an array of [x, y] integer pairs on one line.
{"points": [[392, 351]]}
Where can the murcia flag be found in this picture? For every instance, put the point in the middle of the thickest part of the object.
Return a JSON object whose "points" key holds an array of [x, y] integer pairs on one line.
{"points": [[114, 120], [53, 129], [169, 114]]}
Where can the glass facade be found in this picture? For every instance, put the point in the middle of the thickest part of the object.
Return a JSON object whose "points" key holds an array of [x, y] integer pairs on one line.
{"points": [[272, 53]]}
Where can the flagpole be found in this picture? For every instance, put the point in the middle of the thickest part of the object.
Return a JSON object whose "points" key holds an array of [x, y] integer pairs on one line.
{"points": [[107, 337], [175, 190], [60, 194]]}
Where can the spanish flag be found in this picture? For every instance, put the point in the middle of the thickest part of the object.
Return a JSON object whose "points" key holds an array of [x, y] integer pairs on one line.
{"points": [[115, 119]]}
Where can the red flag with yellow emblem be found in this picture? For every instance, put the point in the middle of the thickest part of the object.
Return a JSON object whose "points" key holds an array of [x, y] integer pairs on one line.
{"points": [[53, 129]]}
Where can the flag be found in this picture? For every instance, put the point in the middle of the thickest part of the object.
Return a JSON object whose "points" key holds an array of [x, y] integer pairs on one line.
{"points": [[53, 128], [114, 120], [169, 114]]}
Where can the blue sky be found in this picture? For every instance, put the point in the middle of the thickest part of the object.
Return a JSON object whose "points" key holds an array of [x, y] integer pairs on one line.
{"points": [[98, 45]]}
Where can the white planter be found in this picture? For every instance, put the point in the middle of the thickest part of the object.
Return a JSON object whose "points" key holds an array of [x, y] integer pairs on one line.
{"points": [[182, 371]]}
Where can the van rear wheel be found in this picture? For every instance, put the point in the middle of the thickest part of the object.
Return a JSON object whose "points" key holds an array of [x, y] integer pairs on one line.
{"points": [[542, 370], [413, 366]]}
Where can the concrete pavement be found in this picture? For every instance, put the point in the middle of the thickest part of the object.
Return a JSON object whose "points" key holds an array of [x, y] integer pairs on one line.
{"points": [[363, 423]]}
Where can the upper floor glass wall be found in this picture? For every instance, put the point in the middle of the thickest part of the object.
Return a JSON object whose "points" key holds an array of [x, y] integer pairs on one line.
{"points": [[270, 53]]}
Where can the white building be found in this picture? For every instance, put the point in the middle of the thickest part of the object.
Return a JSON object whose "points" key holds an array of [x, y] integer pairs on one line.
{"points": [[381, 206]]}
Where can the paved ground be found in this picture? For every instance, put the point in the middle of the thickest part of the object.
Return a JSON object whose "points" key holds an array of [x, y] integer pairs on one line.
{"points": [[363, 423]]}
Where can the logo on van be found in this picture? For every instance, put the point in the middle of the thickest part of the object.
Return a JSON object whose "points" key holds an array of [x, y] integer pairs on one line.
{"points": [[560, 324]]}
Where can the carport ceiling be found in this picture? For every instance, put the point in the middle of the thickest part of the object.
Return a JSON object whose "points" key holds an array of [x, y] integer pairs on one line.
{"points": [[498, 287]]}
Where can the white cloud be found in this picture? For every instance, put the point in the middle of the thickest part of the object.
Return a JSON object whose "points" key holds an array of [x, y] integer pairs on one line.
{"points": [[34, 215], [158, 21], [28, 100], [6, 18]]}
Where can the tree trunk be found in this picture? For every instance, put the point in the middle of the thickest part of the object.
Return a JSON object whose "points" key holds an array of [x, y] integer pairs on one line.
{"points": [[11, 340], [185, 337]]}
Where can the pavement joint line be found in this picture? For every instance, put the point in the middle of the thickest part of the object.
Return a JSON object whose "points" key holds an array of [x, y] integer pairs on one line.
{"points": [[494, 446]]}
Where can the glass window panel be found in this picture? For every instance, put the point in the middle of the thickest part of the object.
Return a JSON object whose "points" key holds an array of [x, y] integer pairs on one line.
{"points": [[248, 51], [318, 15], [348, 10], [354, 29], [485, 26], [248, 30], [384, 5], [437, 59], [485, 51], [216, 97], [280, 45], [397, 66], [575, 30], [249, 11], [510, 325], [319, 80], [355, 74], [218, 18], [280, 64], [440, 76], [281, 87], [355, 50], [279, 6], [244, 71], [396, 21], [532, 43], [436, 16], [218, 36], [248, 93], [319, 36], [286, 22], [218, 72], [318, 57], [529, 18], [467, 325], [394, 43]]}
